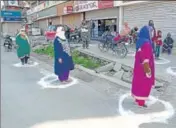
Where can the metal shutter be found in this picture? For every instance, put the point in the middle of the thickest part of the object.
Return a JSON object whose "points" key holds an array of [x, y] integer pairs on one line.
{"points": [[162, 12]]}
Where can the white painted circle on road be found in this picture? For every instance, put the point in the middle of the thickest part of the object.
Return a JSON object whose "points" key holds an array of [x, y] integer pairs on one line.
{"points": [[171, 70], [131, 53], [162, 61], [49, 83], [161, 117], [31, 64], [122, 121]]}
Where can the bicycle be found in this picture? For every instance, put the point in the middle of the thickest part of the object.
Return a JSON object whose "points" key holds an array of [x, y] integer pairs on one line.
{"points": [[107, 43]]}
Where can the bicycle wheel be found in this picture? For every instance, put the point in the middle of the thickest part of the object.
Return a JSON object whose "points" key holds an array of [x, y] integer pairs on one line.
{"points": [[103, 47], [121, 50]]}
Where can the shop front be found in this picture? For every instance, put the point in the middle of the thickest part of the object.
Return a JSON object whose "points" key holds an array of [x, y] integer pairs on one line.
{"points": [[47, 17], [104, 18], [67, 15], [162, 13]]}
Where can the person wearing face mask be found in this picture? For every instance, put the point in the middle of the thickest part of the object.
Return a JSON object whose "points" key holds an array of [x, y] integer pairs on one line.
{"points": [[144, 68], [23, 47], [63, 62]]}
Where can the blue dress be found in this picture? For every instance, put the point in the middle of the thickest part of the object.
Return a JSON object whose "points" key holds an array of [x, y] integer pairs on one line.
{"points": [[59, 52]]}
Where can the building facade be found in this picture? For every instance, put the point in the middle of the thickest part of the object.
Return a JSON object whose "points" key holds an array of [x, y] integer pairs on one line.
{"points": [[106, 13], [13, 16]]}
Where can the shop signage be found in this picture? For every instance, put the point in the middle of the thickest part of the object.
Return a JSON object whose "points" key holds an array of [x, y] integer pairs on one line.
{"points": [[105, 4], [14, 14], [82, 6], [68, 9], [12, 19], [12, 2], [43, 6]]}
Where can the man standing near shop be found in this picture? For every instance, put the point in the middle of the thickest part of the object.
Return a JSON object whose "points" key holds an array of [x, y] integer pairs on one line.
{"points": [[92, 24], [85, 34]]}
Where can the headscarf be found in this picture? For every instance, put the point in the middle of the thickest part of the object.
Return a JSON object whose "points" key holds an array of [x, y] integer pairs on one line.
{"points": [[144, 37], [24, 34], [60, 33]]}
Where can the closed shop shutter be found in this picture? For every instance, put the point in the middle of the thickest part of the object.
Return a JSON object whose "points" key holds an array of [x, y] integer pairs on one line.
{"points": [[72, 20], [102, 14], [43, 24], [7, 28], [161, 12], [56, 20]]}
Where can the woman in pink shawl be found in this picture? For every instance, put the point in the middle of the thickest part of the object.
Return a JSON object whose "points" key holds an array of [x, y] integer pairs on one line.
{"points": [[144, 70]]}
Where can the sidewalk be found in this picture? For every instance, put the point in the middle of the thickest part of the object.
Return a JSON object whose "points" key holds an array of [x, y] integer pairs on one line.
{"points": [[129, 61]]}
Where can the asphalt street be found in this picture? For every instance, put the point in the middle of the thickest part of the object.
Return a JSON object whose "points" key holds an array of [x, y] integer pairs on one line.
{"points": [[92, 102]]}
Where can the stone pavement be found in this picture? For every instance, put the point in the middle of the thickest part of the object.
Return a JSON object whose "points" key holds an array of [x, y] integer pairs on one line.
{"points": [[161, 66]]}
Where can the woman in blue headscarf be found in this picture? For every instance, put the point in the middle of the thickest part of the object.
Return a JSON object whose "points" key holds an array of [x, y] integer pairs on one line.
{"points": [[143, 74], [62, 57]]}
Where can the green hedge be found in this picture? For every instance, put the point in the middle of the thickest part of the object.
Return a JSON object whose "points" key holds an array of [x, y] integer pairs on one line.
{"points": [[86, 62]]}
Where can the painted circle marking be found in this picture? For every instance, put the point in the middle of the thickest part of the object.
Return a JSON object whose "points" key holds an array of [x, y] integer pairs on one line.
{"points": [[171, 70], [31, 64], [162, 61], [131, 53], [44, 83], [162, 116]]}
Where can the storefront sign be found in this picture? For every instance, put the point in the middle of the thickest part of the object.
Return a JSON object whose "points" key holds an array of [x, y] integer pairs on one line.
{"points": [[117, 3], [16, 14], [43, 6], [68, 9], [12, 19], [82, 6], [105, 4], [13, 3]]}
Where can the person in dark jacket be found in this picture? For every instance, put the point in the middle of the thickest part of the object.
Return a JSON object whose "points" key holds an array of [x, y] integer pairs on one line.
{"points": [[168, 44], [63, 62]]}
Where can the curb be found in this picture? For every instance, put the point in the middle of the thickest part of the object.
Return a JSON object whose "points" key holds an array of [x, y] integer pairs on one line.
{"points": [[91, 72]]}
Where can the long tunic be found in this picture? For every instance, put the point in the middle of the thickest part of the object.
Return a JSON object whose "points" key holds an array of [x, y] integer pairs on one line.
{"points": [[141, 84], [23, 46], [62, 51]]}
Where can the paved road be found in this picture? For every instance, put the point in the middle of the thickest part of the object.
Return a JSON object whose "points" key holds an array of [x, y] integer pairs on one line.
{"points": [[25, 104]]}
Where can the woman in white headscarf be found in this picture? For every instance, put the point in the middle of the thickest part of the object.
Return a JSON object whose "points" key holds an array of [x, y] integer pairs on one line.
{"points": [[23, 47], [62, 57]]}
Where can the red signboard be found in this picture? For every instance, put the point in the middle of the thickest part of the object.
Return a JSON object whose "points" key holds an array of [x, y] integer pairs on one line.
{"points": [[68, 9], [105, 4]]}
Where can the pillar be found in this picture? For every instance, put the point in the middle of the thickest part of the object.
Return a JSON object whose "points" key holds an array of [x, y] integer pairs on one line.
{"points": [[121, 16]]}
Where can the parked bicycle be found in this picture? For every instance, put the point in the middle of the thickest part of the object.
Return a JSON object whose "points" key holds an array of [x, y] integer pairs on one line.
{"points": [[107, 43]]}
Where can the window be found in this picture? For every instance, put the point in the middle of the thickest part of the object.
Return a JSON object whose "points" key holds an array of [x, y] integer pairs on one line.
{"points": [[51, 28]]}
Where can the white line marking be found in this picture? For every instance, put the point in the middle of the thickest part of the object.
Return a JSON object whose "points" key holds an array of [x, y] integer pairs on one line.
{"points": [[128, 120], [44, 83], [162, 61], [33, 64], [170, 71], [161, 117]]}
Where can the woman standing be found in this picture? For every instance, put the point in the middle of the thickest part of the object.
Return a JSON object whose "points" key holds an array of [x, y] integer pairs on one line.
{"points": [[144, 69], [23, 47], [62, 57]]}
